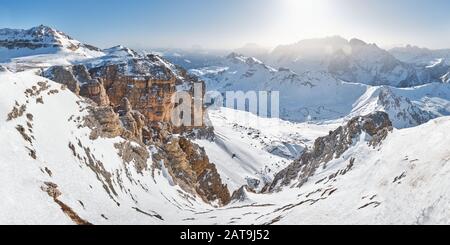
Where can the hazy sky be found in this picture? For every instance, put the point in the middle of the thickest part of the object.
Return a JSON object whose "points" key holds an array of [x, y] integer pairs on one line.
{"points": [[232, 23]]}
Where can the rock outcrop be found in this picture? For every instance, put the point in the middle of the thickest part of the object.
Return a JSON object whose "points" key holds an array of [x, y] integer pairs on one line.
{"points": [[3, 69], [148, 82], [133, 121], [376, 125], [64, 76], [78, 80], [191, 169], [151, 97], [401, 110], [241, 195], [103, 122]]}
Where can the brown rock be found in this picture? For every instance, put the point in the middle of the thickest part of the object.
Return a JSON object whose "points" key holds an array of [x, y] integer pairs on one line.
{"points": [[64, 76], [190, 167], [136, 154], [147, 95], [103, 122], [132, 121], [95, 91], [79, 81]]}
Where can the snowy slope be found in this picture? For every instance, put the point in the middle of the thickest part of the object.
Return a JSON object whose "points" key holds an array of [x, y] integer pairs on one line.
{"points": [[108, 192], [250, 150], [400, 182], [53, 172]]}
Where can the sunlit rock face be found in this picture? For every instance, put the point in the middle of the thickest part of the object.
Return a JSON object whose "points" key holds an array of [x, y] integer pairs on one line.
{"points": [[151, 97], [78, 80], [131, 98], [148, 82]]}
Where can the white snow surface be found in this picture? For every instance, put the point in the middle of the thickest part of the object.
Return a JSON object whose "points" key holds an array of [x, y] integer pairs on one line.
{"points": [[248, 148], [400, 182]]}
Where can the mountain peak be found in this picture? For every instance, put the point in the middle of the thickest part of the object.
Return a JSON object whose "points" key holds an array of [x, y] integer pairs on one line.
{"points": [[121, 51], [42, 29], [239, 58], [234, 55], [357, 42], [36, 37], [50, 43]]}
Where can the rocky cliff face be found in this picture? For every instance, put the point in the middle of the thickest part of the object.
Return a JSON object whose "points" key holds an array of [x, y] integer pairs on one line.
{"points": [[191, 169], [401, 109], [376, 125], [132, 98], [150, 95], [105, 122], [148, 82], [79, 81], [187, 163]]}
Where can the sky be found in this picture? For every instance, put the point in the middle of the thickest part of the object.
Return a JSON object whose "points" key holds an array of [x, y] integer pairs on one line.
{"points": [[225, 24]]}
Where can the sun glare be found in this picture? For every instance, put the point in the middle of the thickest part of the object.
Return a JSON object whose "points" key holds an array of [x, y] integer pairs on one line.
{"points": [[308, 17]]}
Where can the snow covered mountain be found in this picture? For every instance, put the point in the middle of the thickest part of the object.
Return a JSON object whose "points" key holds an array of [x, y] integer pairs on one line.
{"points": [[41, 45], [319, 96], [405, 107], [417, 55], [352, 61]]}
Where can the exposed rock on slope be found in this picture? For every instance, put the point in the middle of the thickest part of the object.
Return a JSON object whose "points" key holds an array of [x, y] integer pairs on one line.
{"points": [[241, 195], [105, 122], [376, 126], [402, 109], [132, 120], [79, 81], [3, 69], [190, 167]]}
